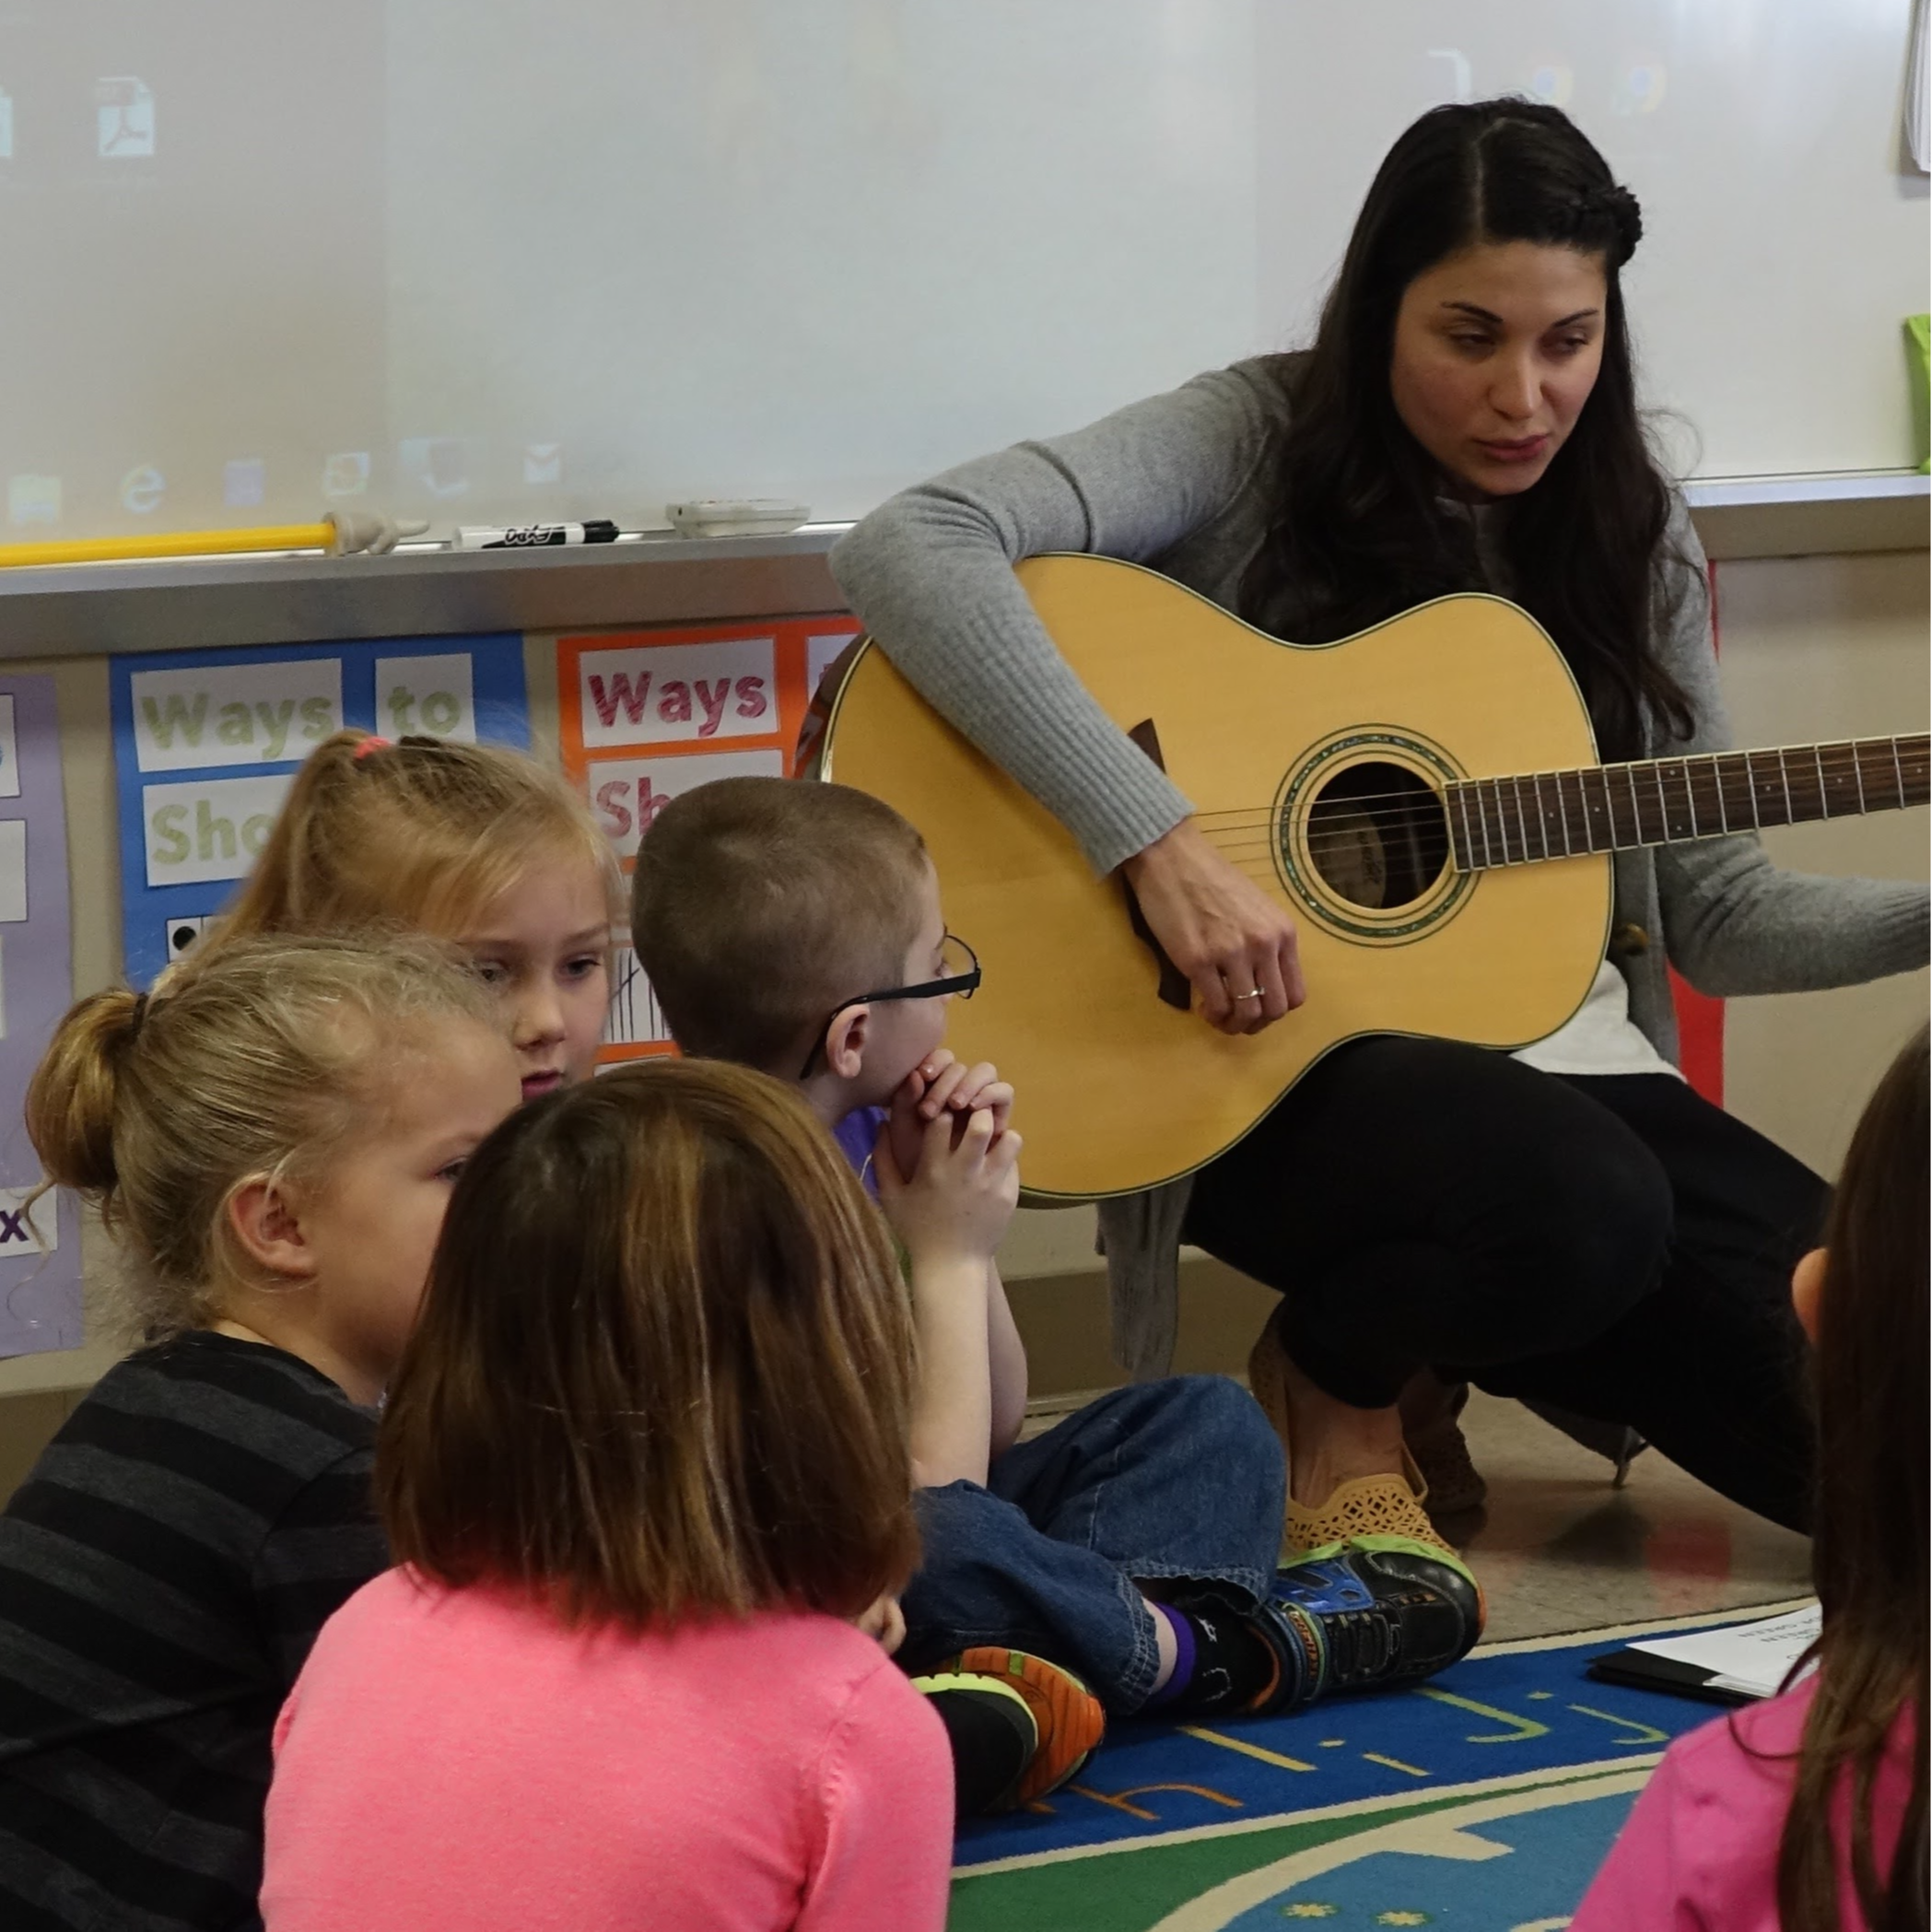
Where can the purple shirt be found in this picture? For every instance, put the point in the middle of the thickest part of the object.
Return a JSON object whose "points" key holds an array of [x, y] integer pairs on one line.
{"points": [[857, 1135]]}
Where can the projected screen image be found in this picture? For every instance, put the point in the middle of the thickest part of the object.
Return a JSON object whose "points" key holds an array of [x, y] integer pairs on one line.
{"points": [[262, 260], [496, 263], [191, 226]]}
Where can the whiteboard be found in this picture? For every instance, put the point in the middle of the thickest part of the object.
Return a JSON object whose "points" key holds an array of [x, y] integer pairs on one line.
{"points": [[492, 261]]}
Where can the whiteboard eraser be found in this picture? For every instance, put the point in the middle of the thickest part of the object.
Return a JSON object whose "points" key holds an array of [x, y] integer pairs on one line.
{"points": [[736, 516]]}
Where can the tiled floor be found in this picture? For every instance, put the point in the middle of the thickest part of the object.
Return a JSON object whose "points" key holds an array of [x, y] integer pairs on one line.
{"points": [[1558, 1549]]}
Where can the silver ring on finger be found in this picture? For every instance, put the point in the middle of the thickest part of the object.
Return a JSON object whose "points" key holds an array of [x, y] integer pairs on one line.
{"points": [[1255, 994]]}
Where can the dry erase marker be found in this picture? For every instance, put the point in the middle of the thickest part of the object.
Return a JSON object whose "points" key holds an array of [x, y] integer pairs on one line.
{"points": [[535, 537]]}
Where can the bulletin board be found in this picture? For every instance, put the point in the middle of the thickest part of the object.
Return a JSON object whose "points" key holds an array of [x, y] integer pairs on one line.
{"points": [[647, 715], [40, 1240], [207, 743]]}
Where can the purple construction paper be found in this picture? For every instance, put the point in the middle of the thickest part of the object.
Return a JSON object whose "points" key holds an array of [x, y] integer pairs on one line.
{"points": [[39, 1293]]}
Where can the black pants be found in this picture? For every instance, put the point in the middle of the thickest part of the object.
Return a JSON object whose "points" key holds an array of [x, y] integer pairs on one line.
{"points": [[1614, 1245]]}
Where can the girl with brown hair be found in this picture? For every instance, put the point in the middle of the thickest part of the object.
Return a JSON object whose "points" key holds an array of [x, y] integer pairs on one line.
{"points": [[474, 844], [272, 1136], [1808, 1813], [646, 1467]]}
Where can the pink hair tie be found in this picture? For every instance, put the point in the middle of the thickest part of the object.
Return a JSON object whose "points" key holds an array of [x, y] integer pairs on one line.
{"points": [[367, 745]]}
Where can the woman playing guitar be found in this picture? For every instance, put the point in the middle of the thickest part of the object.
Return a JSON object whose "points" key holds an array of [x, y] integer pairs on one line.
{"points": [[1570, 1223]]}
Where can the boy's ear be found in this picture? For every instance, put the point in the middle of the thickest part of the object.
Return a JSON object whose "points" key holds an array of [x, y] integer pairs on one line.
{"points": [[266, 1219], [846, 1039], [1807, 1290]]}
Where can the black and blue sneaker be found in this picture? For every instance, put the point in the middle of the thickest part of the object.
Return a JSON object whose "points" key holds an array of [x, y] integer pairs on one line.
{"points": [[1363, 1615]]}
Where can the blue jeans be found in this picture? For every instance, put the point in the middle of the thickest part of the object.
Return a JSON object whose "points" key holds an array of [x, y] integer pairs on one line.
{"points": [[1178, 1480]]}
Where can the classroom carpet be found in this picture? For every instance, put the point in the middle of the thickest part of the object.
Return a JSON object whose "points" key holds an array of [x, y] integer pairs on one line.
{"points": [[1483, 1800]]}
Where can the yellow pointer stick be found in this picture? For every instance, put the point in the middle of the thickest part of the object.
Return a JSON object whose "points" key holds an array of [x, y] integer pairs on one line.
{"points": [[337, 533], [173, 543]]}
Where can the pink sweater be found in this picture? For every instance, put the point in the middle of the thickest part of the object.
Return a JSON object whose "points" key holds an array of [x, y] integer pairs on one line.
{"points": [[1700, 1851], [456, 1760]]}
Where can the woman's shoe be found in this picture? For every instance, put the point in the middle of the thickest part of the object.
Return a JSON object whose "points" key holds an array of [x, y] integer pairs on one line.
{"points": [[1432, 1428], [1389, 1505], [1369, 1506]]}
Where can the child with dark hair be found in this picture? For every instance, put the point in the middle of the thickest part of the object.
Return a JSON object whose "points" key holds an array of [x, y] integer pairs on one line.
{"points": [[1808, 1813], [644, 1463], [796, 927]]}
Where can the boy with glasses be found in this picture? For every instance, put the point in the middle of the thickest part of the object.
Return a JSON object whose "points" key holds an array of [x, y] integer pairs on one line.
{"points": [[1136, 1541]]}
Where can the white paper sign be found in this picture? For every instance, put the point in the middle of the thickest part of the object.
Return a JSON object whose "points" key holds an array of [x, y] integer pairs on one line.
{"points": [[234, 714], [679, 693], [821, 653], [25, 1230], [209, 828], [432, 697], [9, 755], [13, 871], [627, 793]]}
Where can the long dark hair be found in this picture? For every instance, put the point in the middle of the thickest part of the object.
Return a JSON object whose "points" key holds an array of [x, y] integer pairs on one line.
{"points": [[1359, 534], [1869, 1552]]}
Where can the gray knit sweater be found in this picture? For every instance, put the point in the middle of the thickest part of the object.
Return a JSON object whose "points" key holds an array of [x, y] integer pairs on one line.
{"points": [[1181, 483]]}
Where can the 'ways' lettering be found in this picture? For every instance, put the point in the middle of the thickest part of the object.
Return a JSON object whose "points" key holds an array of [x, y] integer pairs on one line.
{"points": [[238, 723], [164, 719], [622, 695]]}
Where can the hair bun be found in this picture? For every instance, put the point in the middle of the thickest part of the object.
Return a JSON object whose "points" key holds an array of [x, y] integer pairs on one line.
{"points": [[71, 1099], [1617, 204]]}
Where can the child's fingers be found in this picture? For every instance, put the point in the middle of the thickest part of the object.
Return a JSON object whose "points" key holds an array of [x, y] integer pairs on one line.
{"points": [[996, 1095], [942, 1089], [932, 1068], [977, 1085]]}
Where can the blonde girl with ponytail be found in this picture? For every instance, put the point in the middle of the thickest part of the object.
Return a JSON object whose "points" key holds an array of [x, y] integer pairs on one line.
{"points": [[272, 1136], [474, 844]]}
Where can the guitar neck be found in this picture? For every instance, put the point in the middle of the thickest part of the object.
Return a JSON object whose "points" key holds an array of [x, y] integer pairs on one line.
{"points": [[1615, 808]]}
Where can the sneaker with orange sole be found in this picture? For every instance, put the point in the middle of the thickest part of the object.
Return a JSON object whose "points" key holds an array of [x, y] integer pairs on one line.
{"points": [[1067, 1714]]}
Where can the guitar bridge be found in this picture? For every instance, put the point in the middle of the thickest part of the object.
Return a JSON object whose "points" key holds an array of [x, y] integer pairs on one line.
{"points": [[1175, 989]]}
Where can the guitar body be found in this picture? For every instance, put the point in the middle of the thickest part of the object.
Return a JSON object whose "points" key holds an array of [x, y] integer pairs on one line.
{"points": [[1288, 753]]}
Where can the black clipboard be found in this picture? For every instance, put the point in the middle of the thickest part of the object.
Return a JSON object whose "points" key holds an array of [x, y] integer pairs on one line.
{"points": [[1645, 1671]]}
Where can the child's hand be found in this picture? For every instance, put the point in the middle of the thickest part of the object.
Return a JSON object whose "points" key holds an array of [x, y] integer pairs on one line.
{"points": [[961, 1193], [883, 1620], [943, 1085], [951, 1086]]}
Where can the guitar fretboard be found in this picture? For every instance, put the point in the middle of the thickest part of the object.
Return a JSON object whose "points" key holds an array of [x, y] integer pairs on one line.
{"points": [[1611, 808]]}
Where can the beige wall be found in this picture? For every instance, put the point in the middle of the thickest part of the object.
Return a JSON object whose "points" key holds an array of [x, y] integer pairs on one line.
{"points": [[1812, 648], [1818, 648]]}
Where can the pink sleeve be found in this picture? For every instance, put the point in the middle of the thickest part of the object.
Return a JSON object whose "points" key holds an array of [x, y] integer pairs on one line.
{"points": [[1643, 1886], [886, 1790]]}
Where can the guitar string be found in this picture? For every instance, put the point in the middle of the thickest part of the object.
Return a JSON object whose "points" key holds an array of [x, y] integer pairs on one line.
{"points": [[1504, 814], [1848, 757], [1507, 817], [1731, 784]]}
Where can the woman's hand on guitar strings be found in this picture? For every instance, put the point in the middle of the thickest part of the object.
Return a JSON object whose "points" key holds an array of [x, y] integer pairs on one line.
{"points": [[1220, 928]]}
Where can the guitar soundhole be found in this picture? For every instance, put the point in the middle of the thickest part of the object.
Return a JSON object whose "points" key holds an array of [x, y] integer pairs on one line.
{"points": [[1378, 836]]}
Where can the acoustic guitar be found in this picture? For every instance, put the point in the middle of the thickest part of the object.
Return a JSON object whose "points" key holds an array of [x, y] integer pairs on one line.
{"points": [[1423, 797]]}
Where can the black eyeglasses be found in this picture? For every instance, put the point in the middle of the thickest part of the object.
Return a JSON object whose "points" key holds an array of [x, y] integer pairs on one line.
{"points": [[959, 980]]}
